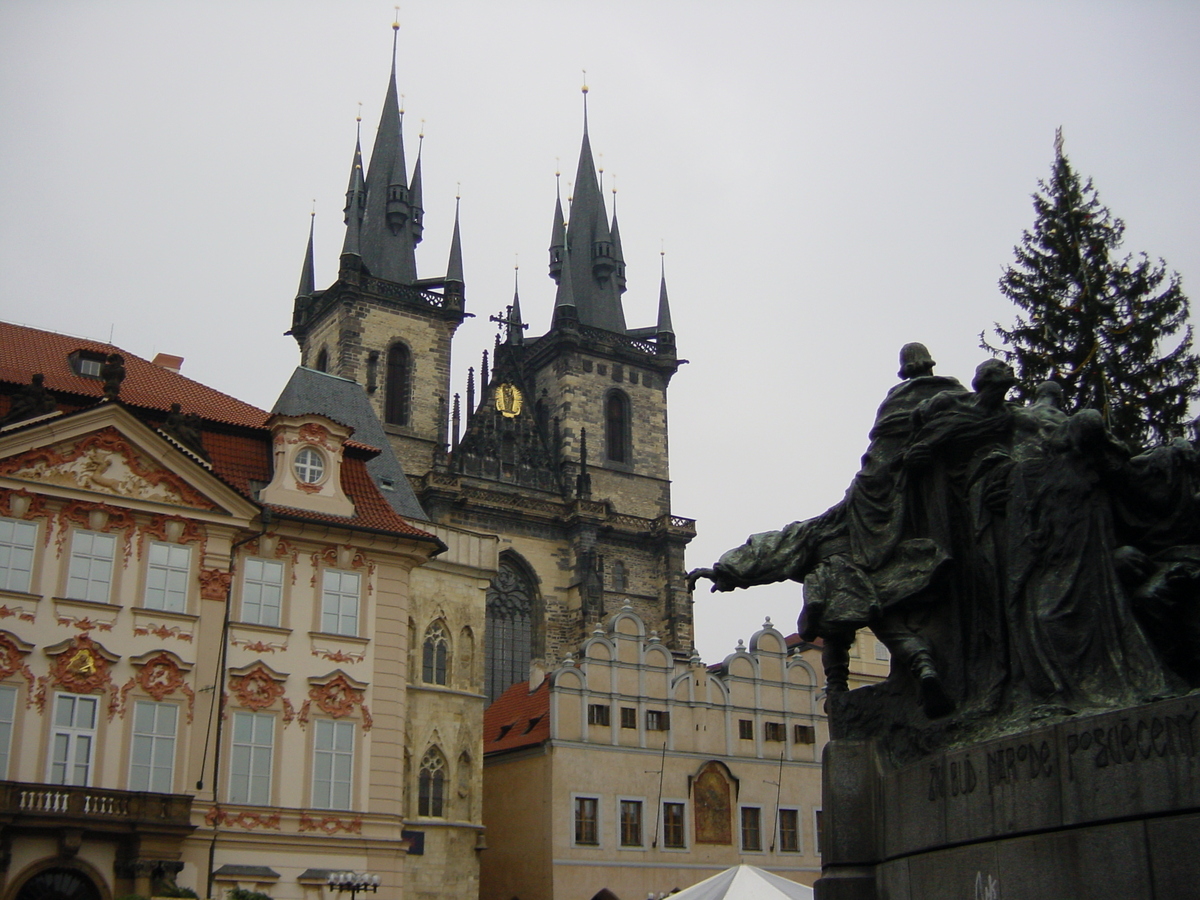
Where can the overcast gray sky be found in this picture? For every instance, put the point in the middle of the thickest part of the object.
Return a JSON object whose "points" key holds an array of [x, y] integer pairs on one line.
{"points": [[829, 181]]}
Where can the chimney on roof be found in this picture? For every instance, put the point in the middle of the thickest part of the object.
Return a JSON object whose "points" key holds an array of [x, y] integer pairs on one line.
{"points": [[167, 361]]}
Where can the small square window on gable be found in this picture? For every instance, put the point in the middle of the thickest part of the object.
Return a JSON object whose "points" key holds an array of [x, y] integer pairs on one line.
{"points": [[308, 454]]}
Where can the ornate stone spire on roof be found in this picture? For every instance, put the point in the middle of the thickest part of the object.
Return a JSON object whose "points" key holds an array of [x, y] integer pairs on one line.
{"points": [[415, 198], [386, 243], [595, 291], [356, 195], [516, 328], [664, 307], [308, 281], [454, 266]]}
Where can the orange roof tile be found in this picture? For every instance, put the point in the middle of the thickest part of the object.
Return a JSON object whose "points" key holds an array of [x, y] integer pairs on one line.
{"points": [[240, 459], [24, 351], [518, 718]]}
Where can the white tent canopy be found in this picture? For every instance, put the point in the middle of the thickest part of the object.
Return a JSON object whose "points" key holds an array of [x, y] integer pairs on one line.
{"points": [[745, 883]]}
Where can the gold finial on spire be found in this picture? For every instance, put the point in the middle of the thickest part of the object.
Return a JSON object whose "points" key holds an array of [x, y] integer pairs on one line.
{"points": [[314, 208], [421, 136], [402, 104], [396, 21], [557, 166], [585, 87], [516, 262], [358, 118], [458, 190]]}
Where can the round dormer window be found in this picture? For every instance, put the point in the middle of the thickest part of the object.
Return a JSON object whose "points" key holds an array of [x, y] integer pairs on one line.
{"points": [[309, 466]]}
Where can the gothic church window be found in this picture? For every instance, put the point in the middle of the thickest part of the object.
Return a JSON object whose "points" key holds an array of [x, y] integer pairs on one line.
{"points": [[323, 360], [398, 385], [616, 427], [508, 641], [434, 657], [431, 785]]}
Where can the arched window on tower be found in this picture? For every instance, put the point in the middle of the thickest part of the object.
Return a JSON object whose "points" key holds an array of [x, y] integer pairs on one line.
{"points": [[323, 360], [399, 384], [431, 784], [435, 654], [616, 428], [508, 641]]}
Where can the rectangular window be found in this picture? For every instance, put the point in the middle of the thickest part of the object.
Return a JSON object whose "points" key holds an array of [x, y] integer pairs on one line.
{"points": [[152, 753], [598, 713], [628, 717], [789, 830], [751, 828], [8, 716], [819, 831], [673, 827], [631, 823], [167, 577], [73, 740], [658, 720], [262, 591], [586, 831], [774, 731], [805, 734], [746, 729], [90, 574], [333, 764], [882, 654], [339, 603], [250, 761], [17, 540]]}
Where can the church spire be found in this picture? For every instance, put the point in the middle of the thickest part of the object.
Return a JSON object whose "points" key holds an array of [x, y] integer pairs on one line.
{"points": [[617, 254], [595, 289], [386, 243], [516, 328], [454, 266], [356, 194], [308, 281], [664, 307], [558, 234], [415, 198]]}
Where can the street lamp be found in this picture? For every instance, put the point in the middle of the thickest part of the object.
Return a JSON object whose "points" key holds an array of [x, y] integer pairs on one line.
{"points": [[352, 882]]}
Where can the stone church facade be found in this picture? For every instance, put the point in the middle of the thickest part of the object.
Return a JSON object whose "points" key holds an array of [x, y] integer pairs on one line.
{"points": [[559, 446]]}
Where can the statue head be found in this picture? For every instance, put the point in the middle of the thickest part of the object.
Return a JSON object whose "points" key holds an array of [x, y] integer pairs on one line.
{"points": [[1048, 393], [37, 379], [991, 374], [915, 361]]}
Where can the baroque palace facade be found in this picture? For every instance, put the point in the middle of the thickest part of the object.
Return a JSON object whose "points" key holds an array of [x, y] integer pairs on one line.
{"points": [[223, 641]]}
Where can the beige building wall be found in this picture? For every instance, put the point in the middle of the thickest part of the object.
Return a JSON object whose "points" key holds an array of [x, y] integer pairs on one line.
{"points": [[631, 723]]}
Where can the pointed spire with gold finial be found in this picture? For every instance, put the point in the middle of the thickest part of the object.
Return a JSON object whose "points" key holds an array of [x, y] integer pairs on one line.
{"points": [[454, 266], [308, 281], [356, 193], [386, 242]]}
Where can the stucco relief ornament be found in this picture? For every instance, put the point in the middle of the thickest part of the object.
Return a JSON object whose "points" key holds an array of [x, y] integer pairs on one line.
{"points": [[160, 676], [214, 584], [257, 689], [338, 698], [106, 463], [80, 666], [313, 433], [12, 658]]}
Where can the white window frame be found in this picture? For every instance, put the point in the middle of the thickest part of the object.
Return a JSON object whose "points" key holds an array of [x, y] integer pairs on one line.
{"points": [[331, 788], [309, 465], [762, 844], [168, 579], [87, 568], [255, 585], [799, 830], [70, 738], [158, 737], [8, 724], [575, 798], [247, 752], [641, 802], [662, 826], [16, 555], [340, 608]]}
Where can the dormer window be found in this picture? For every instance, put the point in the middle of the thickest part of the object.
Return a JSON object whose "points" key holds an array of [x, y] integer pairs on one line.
{"points": [[309, 466], [86, 363]]}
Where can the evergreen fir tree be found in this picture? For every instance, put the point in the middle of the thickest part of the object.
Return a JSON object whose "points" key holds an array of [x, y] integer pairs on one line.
{"points": [[1113, 332]]}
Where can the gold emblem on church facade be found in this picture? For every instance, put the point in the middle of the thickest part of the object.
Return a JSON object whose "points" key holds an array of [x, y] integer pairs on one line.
{"points": [[508, 400]]}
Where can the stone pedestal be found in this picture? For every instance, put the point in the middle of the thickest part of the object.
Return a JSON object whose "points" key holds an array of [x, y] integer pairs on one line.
{"points": [[1094, 806]]}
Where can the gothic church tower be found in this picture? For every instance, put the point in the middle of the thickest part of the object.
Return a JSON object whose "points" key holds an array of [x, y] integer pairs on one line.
{"points": [[560, 447]]}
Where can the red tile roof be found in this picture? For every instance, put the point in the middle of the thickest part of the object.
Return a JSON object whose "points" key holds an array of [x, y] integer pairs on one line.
{"points": [[518, 718], [24, 351], [239, 456]]}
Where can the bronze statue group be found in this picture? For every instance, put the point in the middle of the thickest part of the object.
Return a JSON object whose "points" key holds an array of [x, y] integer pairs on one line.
{"points": [[1018, 561]]}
